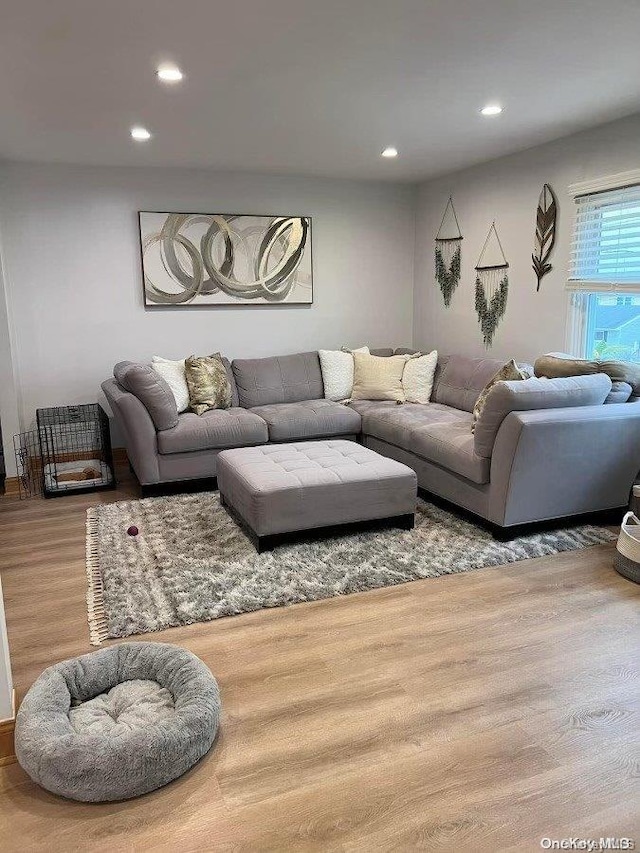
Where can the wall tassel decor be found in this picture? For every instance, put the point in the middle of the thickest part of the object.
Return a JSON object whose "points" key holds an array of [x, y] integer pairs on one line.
{"points": [[492, 285], [448, 253], [545, 232]]}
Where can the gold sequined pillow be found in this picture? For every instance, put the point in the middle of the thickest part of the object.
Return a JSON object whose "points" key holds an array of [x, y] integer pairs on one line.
{"points": [[208, 383]]}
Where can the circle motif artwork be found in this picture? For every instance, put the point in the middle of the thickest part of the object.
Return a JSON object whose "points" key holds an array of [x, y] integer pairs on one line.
{"points": [[220, 259]]}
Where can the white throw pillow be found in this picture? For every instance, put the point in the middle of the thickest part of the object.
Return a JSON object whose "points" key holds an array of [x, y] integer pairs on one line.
{"points": [[337, 372], [173, 374], [417, 377]]}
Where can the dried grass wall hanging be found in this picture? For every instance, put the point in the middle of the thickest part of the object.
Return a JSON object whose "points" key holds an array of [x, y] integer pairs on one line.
{"points": [[545, 232], [492, 285], [448, 253]]}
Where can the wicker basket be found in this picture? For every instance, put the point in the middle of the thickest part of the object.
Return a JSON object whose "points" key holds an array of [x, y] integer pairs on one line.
{"points": [[627, 559]]}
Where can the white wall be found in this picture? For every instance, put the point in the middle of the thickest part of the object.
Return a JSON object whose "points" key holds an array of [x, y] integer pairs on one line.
{"points": [[9, 417], [507, 190], [72, 269], [6, 679]]}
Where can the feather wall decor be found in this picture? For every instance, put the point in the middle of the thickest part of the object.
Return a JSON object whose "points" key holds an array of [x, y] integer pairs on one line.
{"points": [[492, 285], [546, 216], [448, 253]]}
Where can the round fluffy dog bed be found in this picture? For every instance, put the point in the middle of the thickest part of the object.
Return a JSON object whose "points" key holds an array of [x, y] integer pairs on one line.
{"points": [[117, 723]]}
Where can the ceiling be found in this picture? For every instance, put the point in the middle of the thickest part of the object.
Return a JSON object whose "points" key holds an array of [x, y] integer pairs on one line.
{"points": [[316, 87]]}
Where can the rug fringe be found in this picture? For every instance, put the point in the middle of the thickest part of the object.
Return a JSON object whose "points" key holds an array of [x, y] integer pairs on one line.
{"points": [[98, 626]]}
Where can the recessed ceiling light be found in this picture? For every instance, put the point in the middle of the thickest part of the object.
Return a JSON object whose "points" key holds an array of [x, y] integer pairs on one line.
{"points": [[169, 73], [491, 110], [390, 152], [140, 134]]}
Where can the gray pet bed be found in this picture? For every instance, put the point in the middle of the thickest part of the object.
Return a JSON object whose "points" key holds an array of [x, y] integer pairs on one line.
{"points": [[117, 723]]}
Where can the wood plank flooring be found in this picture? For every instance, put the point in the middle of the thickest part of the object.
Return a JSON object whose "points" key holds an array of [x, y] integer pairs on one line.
{"points": [[475, 712]]}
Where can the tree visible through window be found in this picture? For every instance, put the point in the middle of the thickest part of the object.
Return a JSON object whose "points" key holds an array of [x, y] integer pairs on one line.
{"points": [[613, 327]]}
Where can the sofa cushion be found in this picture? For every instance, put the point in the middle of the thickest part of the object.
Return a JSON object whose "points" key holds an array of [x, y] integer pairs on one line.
{"points": [[214, 429], [279, 379], [337, 372], [554, 365], [173, 373], [529, 394], [438, 433], [208, 383], [308, 419], [509, 372], [382, 352], [151, 389], [461, 380], [417, 378], [557, 365], [378, 377], [620, 392]]}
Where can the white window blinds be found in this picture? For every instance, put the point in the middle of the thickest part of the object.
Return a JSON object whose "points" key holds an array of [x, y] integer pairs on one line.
{"points": [[605, 254]]}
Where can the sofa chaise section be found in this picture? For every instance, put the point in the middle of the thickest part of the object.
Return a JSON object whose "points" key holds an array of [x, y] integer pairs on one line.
{"points": [[559, 453]]}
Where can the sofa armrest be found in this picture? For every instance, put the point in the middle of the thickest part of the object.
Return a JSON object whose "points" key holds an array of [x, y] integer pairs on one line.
{"points": [[533, 394], [138, 429], [559, 462]]}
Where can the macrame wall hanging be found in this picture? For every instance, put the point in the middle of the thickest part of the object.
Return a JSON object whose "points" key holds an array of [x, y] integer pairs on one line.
{"points": [[545, 232], [448, 252], [492, 285]]}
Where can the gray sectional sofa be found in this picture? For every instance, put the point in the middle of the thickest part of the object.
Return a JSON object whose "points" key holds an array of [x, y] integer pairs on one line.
{"points": [[543, 448]]}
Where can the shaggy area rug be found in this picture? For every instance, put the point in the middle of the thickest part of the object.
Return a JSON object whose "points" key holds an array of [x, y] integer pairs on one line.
{"points": [[190, 561]]}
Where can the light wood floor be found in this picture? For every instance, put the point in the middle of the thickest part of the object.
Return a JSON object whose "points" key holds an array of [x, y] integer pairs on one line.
{"points": [[475, 712]]}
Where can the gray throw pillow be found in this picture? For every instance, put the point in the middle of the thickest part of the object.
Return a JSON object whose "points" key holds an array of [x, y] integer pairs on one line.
{"points": [[152, 391], [620, 392]]}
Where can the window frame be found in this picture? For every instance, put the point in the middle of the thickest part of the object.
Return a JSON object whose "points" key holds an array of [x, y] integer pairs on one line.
{"points": [[579, 291]]}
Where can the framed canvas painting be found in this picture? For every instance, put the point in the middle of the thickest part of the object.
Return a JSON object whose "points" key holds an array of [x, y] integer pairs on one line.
{"points": [[210, 259]]}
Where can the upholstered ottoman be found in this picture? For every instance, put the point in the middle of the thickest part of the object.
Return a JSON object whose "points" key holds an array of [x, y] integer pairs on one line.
{"points": [[280, 489]]}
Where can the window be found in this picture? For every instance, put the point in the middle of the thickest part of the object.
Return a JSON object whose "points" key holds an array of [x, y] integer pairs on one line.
{"points": [[604, 282]]}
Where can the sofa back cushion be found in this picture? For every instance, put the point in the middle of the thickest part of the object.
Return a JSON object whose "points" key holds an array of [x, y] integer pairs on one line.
{"points": [[620, 392], [557, 364], [381, 352], [530, 394], [152, 391], [278, 379], [460, 380], [232, 382]]}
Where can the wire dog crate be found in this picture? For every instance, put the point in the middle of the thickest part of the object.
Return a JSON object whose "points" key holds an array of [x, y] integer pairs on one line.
{"points": [[68, 453]]}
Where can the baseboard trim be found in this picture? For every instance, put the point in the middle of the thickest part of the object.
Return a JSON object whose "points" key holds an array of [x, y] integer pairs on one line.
{"points": [[12, 487], [7, 728], [120, 454]]}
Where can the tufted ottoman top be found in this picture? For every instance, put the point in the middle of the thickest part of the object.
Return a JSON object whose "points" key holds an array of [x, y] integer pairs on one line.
{"points": [[282, 488]]}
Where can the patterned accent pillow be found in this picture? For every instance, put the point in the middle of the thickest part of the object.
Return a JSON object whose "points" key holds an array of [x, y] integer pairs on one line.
{"points": [[507, 373], [208, 383]]}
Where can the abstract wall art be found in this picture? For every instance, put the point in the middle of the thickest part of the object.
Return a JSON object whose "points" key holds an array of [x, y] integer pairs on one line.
{"points": [[492, 285], [195, 259], [448, 254]]}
